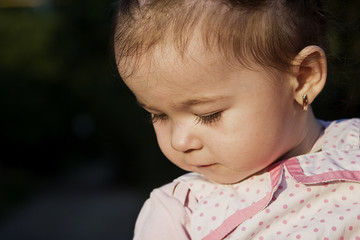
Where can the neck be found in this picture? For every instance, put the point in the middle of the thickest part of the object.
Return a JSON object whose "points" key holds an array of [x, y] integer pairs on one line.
{"points": [[311, 131]]}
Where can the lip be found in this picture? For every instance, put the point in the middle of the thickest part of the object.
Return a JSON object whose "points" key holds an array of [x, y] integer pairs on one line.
{"points": [[204, 165]]}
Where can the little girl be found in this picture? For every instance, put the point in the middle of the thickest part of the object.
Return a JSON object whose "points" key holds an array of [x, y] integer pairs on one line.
{"points": [[229, 84]]}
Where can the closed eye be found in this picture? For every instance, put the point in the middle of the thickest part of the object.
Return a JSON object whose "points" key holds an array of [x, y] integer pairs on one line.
{"points": [[200, 119], [208, 119], [158, 117]]}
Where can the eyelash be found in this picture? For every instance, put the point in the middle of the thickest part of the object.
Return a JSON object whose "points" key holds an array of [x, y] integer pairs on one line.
{"points": [[158, 117], [206, 119]]}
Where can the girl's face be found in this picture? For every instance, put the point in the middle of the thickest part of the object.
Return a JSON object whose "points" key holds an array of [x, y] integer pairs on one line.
{"points": [[225, 123]]}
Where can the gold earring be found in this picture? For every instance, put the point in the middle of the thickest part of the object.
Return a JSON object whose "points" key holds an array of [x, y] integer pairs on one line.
{"points": [[305, 102]]}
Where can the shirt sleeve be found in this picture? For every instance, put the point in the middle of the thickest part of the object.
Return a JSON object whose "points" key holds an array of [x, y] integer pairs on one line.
{"points": [[163, 216]]}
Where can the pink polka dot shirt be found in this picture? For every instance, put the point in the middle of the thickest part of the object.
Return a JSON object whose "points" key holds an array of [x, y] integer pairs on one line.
{"points": [[312, 196]]}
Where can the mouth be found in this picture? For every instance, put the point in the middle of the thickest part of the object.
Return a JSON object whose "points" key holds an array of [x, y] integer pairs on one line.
{"points": [[205, 165]]}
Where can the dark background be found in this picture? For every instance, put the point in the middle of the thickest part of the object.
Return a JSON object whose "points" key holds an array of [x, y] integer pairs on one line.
{"points": [[78, 156]]}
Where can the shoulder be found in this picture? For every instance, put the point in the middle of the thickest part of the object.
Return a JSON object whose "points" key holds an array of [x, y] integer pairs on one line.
{"points": [[339, 158], [166, 214], [341, 134]]}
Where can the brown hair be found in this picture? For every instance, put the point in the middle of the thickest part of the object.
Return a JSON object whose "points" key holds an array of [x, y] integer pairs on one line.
{"points": [[268, 32]]}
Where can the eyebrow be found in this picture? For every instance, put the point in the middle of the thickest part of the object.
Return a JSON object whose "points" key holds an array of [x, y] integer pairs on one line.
{"points": [[144, 106], [187, 103], [202, 100]]}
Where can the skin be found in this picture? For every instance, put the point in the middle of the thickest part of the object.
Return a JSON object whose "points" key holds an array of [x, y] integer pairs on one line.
{"points": [[226, 123]]}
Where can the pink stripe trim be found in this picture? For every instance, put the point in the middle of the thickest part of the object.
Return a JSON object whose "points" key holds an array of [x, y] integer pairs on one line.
{"points": [[241, 215], [297, 172]]}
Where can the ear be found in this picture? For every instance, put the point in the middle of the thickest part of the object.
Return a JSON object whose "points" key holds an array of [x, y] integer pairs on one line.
{"points": [[309, 72]]}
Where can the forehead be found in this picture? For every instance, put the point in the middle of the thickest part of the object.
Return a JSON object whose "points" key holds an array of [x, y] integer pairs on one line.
{"points": [[167, 78], [178, 80], [199, 71], [168, 65]]}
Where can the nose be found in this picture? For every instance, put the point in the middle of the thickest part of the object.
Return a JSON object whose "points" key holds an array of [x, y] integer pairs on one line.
{"points": [[184, 138]]}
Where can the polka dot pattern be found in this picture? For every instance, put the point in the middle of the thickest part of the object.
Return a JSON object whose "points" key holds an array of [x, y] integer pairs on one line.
{"points": [[340, 138], [317, 166], [217, 201], [331, 219]]}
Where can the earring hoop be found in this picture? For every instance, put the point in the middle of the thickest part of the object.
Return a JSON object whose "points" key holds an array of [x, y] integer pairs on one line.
{"points": [[305, 102]]}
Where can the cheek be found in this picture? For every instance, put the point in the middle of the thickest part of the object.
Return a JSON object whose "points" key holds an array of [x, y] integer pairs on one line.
{"points": [[161, 136], [242, 134], [163, 139]]}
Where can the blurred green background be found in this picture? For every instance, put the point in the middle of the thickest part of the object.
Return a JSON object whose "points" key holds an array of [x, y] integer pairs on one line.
{"points": [[78, 156]]}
